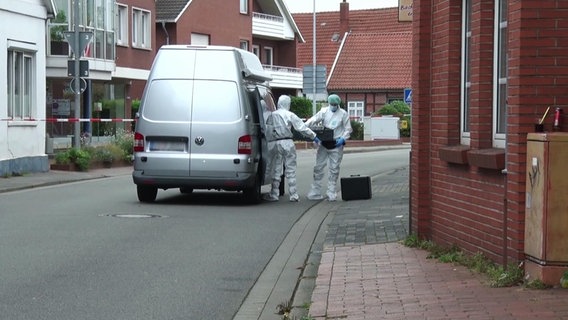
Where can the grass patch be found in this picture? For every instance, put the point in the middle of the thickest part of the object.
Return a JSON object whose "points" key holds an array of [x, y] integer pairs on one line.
{"points": [[499, 276]]}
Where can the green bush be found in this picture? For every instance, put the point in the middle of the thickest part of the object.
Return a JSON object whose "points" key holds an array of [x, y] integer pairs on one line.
{"points": [[80, 157], [106, 153], [302, 107], [124, 140]]}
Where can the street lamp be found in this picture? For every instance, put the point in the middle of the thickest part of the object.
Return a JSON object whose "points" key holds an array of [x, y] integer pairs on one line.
{"points": [[314, 61]]}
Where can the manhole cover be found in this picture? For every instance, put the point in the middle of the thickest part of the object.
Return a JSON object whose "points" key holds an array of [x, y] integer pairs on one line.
{"points": [[132, 215]]}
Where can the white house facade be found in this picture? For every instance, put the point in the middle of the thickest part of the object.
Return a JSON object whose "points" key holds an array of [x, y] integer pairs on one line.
{"points": [[22, 85]]}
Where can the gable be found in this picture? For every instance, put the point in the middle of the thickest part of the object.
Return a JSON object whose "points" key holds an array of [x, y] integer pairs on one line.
{"points": [[170, 10]]}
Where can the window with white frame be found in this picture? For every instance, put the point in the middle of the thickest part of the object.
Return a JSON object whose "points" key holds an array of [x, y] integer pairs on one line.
{"points": [[244, 45], [256, 50], [356, 110], [122, 25], [21, 79], [268, 56], [500, 74], [244, 6], [465, 71], [141, 28]]}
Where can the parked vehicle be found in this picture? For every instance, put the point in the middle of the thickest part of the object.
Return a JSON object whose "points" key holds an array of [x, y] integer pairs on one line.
{"points": [[200, 123]]}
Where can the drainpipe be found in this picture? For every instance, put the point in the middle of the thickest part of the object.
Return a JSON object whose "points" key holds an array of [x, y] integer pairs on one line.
{"points": [[166, 32]]}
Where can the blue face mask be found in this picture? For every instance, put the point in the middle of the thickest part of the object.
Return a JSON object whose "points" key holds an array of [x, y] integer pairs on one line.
{"points": [[333, 107]]}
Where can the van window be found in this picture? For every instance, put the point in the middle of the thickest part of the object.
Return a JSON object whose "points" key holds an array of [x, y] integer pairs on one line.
{"points": [[216, 101], [168, 100]]}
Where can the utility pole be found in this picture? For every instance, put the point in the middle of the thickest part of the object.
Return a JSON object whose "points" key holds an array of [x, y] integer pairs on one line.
{"points": [[314, 62], [77, 77], [78, 41]]}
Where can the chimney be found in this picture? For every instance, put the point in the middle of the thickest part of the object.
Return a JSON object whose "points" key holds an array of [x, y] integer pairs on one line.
{"points": [[343, 17]]}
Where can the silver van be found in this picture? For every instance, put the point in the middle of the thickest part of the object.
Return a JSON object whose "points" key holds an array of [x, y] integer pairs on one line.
{"points": [[200, 123]]}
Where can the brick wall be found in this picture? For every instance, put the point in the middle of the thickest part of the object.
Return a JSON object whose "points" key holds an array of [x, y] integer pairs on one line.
{"points": [[478, 209]]}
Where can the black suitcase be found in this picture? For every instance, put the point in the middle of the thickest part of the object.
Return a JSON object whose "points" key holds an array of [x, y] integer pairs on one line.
{"points": [[356, 187]]}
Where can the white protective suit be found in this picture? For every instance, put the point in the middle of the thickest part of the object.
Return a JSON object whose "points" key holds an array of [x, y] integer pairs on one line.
{"points": [[341, 125], [282, 149]]}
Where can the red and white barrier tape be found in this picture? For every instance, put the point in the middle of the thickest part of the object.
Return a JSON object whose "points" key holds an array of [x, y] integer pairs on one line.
{"points": [[73, 120]]}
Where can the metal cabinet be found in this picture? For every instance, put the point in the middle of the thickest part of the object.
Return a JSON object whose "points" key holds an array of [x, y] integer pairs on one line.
{"points": [[546, 214]]}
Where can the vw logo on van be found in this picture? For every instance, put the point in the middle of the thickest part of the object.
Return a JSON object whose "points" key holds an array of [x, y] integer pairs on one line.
{"points": [[199, 141]]}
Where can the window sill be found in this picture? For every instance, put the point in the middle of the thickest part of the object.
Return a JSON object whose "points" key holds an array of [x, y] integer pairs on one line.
{"points": [[487, 158], [22, 123], [454, 154]]}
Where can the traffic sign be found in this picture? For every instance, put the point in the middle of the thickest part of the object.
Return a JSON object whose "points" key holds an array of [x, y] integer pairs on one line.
{"points": [[82, 85], [408, 95], [84, 39], [308, 73], [83, 68]]}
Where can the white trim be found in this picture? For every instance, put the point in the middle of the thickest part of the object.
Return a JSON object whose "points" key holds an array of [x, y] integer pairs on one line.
{"points": [[131, 73], [125, 24], [464, 135], [146, 42], [498, 138], [26, 46], [358, 105], [243, 6], [257, 48], [336, 58], [265, 50]]}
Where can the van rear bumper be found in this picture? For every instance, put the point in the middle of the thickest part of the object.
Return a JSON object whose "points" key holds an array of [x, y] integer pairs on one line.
{"points": [[245, 180]]}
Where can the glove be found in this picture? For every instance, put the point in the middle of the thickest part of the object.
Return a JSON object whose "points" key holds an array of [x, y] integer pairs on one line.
{"points": [[317, 140], [339, 142]]}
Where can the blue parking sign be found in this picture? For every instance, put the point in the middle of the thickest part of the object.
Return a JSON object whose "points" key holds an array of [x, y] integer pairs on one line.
{"points": [[408, 95]]}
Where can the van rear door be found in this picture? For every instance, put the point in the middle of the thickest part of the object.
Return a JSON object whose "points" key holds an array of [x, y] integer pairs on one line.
{"points": [[166, 127], [217, 125]]}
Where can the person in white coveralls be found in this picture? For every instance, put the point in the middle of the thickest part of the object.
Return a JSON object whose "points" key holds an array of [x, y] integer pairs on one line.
{"points": [[329, 152], [282, 149]]}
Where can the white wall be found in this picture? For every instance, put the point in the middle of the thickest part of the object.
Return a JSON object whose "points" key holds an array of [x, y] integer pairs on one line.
{"points": [[22, 143]]}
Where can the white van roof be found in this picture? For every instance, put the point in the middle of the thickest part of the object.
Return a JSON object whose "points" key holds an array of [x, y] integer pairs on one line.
{"points": [[251, 68]]}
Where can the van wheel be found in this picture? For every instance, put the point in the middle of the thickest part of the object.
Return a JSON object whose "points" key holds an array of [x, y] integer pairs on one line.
{"points": [[185, 190], [146, 194], [253, 194]]}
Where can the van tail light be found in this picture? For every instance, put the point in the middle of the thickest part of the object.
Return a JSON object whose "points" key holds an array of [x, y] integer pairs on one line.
{"points": [[245, 145], [138, 142]]}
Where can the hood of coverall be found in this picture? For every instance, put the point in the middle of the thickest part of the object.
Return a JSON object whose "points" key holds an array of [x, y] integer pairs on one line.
{"points": [[284, 102], [334, 102]]}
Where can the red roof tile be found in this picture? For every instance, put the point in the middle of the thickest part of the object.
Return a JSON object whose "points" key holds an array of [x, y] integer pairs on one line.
{"points": [[373, 61], [373, 21]]}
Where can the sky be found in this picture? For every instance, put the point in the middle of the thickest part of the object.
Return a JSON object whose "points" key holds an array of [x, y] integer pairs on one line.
{"points": [[297, 6]]}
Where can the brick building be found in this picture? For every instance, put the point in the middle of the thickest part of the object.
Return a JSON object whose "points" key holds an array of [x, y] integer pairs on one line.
{"points": [[483, 72]]}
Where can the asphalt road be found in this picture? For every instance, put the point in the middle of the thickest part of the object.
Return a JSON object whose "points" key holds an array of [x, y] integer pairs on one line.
{"points": [[90, 250]]}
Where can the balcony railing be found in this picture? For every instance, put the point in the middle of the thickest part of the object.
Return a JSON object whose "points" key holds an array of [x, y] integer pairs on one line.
{"points": [[269, 26], [285, 77]]}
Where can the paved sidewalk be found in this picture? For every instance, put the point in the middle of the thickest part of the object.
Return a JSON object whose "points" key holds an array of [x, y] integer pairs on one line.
{"points": [[365, 273]]}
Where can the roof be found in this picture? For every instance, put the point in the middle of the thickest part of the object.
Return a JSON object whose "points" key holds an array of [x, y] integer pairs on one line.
{"points": [[372, 21], [170, 10], [50, 6], [361, 65]]}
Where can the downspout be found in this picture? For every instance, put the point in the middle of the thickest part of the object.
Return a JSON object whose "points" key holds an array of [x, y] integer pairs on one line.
{"points": [[166, 32]]}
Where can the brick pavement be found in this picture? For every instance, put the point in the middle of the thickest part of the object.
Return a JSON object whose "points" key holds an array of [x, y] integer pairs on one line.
{"points": [[365, 273]]}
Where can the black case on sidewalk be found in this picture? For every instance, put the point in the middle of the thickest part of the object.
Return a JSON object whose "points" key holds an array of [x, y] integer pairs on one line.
{"points": [[356, 187]]}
